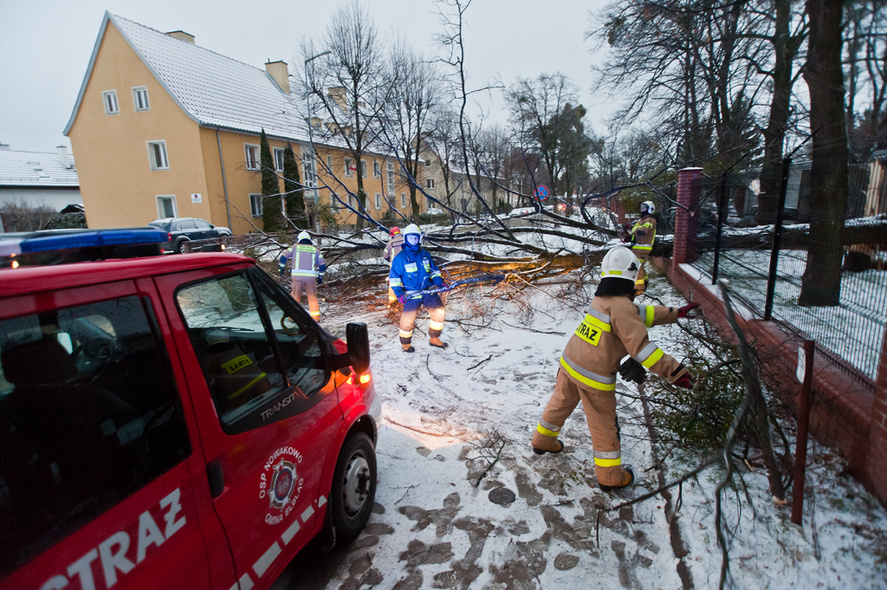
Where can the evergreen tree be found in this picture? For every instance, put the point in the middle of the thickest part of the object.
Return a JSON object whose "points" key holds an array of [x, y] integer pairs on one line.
{"points": [[272, 206], [292, 188]]}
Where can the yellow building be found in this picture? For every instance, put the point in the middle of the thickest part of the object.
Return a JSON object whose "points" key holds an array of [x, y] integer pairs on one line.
{"points": [[165, 128]]}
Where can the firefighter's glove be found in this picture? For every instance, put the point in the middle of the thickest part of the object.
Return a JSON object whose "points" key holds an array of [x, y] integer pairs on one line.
{"points": [[402, 299], [631, 370], [687, 381], [684, 311], [319, 280]]}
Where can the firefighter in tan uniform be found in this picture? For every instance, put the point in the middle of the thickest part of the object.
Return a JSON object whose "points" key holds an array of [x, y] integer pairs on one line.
{"points": [[642, 235], [613, 328], [392, 249]]}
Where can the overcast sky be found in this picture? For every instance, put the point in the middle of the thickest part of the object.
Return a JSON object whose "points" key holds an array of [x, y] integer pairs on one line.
{"points": [[46, 45]]}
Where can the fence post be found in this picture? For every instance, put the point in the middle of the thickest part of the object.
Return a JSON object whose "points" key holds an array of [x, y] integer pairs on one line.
{"points": [[804, 401], [722, 213], [686, 220], [777, 236]]}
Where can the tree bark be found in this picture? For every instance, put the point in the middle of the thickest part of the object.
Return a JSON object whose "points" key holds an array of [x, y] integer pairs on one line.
{"points": [[785, 50], [821, 283]]}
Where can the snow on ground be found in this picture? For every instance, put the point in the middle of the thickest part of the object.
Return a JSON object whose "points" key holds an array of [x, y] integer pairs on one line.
{"points": [[454, 417]]}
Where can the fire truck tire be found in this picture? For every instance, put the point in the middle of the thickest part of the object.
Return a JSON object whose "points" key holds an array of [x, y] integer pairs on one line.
{"points": [[354, 487]]}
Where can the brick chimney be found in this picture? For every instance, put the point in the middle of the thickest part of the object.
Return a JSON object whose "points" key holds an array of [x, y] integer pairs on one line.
{"points": [[182, 36], [279, 73]]}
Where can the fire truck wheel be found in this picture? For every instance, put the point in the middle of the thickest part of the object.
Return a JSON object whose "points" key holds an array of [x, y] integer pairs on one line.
{"points": [[354, 487]]}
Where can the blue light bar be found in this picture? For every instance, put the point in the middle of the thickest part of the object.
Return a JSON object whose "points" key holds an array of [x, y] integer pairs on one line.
{"points": [[53, 240], [92, 239]]}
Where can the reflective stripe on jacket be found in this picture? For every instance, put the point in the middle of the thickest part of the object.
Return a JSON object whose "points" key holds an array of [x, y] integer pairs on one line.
{"points": [[411, 271], [612, 328], [306, 261], [643, 235]]}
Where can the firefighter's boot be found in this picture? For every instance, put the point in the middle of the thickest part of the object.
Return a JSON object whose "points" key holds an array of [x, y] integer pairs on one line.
{"points": [[546, 443], [435, 341], [625, 478]]}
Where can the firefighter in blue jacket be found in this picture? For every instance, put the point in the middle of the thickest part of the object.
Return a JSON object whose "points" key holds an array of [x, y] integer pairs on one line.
{"points": [[412, 271], [307, 266]]}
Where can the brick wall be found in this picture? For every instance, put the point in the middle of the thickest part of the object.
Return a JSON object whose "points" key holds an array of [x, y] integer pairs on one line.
{"points": [[877, 464], [845, 414], [685, 221]]}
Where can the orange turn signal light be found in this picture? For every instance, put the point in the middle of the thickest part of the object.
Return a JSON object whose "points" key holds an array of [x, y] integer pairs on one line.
{"points": [[363, 379]]}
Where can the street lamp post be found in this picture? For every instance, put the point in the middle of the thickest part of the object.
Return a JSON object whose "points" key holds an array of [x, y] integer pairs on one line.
{"points": [[311, 123]]}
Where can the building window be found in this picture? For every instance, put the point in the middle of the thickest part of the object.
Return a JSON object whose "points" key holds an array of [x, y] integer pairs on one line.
{"points": [[166, 206], [334, 201], [390, 174], [278, 159], [363, 168], [157, 155], [429, 183], [109, 98], [255, 205], [427, 163], [251, 152], [378, 200], [329, 164], [377, 172], [403, 200], [349, 167], [140, 98], [308, 167]]}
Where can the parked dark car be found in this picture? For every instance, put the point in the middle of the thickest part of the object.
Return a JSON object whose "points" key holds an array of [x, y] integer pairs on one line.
{"points": [[187, 234]]}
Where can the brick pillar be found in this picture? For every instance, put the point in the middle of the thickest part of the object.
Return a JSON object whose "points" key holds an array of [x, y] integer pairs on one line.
{"points": [[685, 224], [877, 458]]}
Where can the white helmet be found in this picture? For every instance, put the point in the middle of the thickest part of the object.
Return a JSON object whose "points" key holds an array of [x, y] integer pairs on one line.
{"points": [[620, 263], [412, 230], [651, 208], [303, 235]]}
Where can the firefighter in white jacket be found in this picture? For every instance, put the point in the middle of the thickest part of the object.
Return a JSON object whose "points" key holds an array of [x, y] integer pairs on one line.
{"points": [[613, 328], [307, 266]]}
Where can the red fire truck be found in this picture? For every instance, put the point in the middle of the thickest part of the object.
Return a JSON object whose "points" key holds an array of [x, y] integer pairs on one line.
{"points": [[170, 422]]}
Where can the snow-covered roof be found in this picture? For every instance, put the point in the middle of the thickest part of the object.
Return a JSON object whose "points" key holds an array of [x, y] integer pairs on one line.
{"points": [[36, 169], [214, 90]]}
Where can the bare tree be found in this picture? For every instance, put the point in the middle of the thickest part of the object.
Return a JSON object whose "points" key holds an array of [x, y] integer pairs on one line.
{"points": [[539, 117], [452, 42], [350, 84], [787, 35], [492, 149], [415, 92], [866, 67], [689, 68]]}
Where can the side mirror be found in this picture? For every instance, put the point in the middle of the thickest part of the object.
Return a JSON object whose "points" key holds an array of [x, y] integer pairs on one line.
{"points": [[358, 355], [358, 340]]}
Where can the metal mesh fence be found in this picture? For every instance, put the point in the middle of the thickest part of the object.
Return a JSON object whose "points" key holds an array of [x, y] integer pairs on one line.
{"points": [[731, 245]]}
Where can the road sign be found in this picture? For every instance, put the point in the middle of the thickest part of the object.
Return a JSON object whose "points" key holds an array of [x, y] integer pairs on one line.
{"points": [[541, 192]]}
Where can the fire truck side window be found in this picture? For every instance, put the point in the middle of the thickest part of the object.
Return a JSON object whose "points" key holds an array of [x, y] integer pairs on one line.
{"points": [[87, 417], [260, 364]]}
